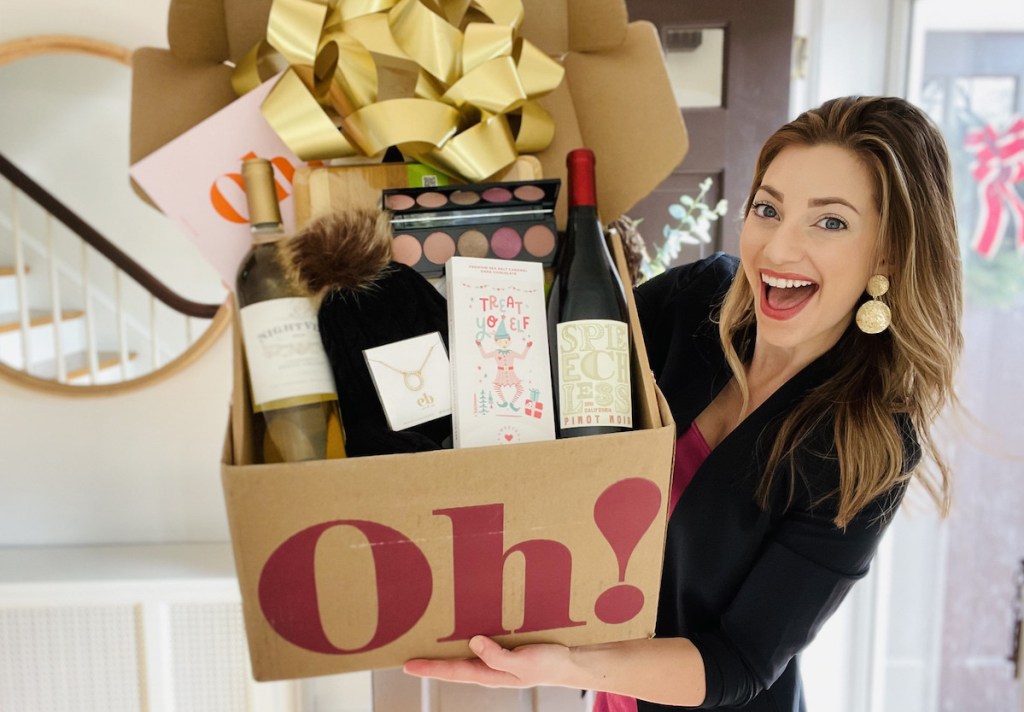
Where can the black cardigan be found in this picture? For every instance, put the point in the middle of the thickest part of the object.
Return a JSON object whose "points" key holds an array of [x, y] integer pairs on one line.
{"points": [[749, 587]]}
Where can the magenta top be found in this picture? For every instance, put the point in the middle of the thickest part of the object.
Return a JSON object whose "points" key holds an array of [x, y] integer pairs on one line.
{"points": [[691, 451]]}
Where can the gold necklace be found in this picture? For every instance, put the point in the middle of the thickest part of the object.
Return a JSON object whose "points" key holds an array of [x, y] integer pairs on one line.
{"points": [[410, 377]]}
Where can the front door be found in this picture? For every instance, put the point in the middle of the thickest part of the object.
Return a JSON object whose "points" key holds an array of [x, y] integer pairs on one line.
{"points": [[972, 84]]}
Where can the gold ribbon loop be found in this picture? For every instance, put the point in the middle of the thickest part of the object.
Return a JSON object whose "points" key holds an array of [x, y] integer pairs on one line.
{"points": [[427, 38], [257, 66], [294, 29], [493, 87], [480, 151], [293, 112], [536, 128], [350, 9], [454, 10], [539, 73], [374, 33], [391, 123], [483, 42], [354, 72], [502, 12]]}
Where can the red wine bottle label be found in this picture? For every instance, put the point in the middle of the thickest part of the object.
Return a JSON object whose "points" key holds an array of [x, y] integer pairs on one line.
{"points": [[286, 359], [593, 374]]}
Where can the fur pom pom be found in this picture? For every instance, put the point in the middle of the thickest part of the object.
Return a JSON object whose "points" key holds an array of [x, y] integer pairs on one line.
{"points": [[343, 250]]}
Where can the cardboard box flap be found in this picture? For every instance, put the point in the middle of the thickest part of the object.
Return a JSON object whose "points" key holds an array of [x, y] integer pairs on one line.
{"points": [[620, 104], [215, 30], [208, 45], [575, 25], [246, 22], [596, 26], [159, 81], [651, 416]]}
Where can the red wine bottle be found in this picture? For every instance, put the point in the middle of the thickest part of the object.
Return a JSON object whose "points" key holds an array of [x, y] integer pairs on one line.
{"points": [[587, 319]]}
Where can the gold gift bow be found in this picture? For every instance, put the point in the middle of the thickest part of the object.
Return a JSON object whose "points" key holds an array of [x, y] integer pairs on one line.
{"points": [[401, 73]]}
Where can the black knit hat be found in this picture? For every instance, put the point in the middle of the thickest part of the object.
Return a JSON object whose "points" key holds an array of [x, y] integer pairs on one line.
{"points": [[366, 301]]}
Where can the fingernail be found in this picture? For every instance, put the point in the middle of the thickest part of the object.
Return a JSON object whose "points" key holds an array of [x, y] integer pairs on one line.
{"points": [[476, 645]]}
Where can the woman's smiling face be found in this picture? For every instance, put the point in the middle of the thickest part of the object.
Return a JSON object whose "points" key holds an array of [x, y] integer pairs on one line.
{"points": [[808, 245]]}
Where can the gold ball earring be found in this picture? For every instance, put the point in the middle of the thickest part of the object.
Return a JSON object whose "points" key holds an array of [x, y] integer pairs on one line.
{"points": [[874, 316]]}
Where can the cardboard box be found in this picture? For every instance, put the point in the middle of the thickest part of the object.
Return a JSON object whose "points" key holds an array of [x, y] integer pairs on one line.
{"points": [[364, 563]]}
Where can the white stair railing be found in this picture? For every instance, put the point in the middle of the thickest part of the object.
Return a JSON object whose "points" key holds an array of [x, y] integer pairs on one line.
{"points": [[116, 336]]}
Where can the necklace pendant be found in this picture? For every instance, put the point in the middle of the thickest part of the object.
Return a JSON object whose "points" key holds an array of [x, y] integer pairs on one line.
{"points": [[413, 380]]}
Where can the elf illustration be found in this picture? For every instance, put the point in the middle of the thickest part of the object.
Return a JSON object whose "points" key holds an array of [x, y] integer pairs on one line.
{"points": [[505, 358]]}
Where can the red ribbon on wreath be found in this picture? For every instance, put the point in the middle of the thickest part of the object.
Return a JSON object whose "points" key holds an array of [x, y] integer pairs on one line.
{"points": [[998, 166]]}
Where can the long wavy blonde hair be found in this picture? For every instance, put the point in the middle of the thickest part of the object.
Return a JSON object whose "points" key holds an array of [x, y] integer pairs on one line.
{"points": [[908, 369]]}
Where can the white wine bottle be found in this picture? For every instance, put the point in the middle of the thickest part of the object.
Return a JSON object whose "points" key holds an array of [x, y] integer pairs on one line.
{"points": [[587, 319], [294, 399]]}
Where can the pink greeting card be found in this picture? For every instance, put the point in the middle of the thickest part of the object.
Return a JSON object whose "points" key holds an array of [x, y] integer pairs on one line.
{"points": [[497, 338], [196, 179]]}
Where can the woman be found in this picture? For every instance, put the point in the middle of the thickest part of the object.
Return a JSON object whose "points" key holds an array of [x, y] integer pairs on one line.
{"points": [[804, 379]]}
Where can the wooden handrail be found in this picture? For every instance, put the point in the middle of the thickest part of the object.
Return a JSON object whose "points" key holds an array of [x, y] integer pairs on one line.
{"points": [[102, 245]]}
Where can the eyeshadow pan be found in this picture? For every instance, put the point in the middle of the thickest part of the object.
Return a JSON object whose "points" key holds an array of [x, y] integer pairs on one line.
{"points": [[497, 194], [406, 249], [432, 199], [473, 243], [438, 247], [400, 201], [465, 197], [529, 192], [539, 240], [506, 243]]}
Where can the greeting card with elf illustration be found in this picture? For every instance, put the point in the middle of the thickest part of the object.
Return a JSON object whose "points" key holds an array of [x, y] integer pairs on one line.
{"points": [[501, 378]]}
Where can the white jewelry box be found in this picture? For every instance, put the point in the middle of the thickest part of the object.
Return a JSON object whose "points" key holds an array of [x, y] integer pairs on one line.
{"points": [[412, 379]]}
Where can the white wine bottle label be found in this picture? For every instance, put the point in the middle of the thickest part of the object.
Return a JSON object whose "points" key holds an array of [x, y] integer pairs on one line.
{"points": [[287, 362], [593, 374]]}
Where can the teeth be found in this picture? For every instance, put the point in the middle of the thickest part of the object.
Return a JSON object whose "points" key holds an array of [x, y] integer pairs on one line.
{"points": [[784, 283]]}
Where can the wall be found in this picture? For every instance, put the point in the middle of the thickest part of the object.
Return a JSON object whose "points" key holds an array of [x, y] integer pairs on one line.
{"points": [[135, 24], [141, 467], [852, 48]]}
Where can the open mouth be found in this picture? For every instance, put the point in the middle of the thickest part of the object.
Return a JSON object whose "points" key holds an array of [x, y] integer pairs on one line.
{"points": [[782, 298]]}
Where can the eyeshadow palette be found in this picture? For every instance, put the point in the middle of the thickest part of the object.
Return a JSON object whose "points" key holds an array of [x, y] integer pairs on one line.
{"points": [[511, 221]]}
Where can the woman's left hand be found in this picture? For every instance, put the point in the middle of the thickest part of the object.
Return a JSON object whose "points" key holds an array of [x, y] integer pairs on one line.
{"points": [[494, 666]]}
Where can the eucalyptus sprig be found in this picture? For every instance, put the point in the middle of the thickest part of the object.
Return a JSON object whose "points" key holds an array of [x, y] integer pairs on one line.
{"points": [[693, 227]]}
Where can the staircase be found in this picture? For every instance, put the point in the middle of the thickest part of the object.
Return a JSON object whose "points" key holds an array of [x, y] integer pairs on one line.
{"points": [[53, 347], [74, 309]]}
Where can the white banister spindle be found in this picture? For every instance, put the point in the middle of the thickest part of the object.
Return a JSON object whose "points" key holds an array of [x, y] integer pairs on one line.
{"points": [[154, 346], [90, 322], [55, 302], [122, 329], [20, 269]]}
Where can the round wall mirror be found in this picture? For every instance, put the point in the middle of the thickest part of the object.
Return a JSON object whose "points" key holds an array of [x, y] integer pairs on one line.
{"points": [[64, 126]]}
